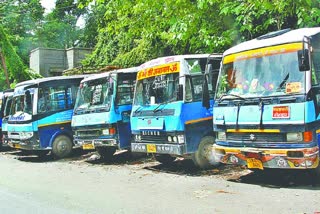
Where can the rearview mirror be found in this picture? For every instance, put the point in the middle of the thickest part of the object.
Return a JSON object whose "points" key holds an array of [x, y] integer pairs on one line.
{"points": [[303, 58], [180, 92]]}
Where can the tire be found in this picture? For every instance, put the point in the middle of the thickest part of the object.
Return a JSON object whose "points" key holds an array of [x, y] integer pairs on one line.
{"points": [[106, 153], [204, 157], [62, 147], [165, 159], [316, 171]]}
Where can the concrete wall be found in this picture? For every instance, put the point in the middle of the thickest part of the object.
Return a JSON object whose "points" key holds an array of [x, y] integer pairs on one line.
{"points": [[52, 62]]}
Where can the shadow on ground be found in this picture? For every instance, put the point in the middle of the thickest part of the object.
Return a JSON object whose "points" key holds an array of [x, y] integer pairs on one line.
{"points": [[28, 156], [281, 178], [119, 158]]}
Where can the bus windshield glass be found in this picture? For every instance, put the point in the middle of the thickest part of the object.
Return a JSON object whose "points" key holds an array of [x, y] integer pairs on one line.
{"points": [[162, 87], [22, 103], [266, 75], [94, 95]]}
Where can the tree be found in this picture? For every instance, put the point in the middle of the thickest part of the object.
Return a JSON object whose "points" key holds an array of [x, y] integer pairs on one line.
{"points": [[20, 19], [17, 71]]}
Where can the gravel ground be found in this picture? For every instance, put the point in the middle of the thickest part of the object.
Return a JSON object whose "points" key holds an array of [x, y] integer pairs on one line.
{"points": [[86, 184]]}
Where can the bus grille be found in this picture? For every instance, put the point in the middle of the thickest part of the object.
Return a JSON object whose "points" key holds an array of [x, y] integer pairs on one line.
{"points": [[258, 137], [88, 133]]}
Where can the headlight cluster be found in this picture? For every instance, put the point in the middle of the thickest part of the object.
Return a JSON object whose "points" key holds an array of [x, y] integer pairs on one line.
{"points": [[109, 131], [221, 136], [25, 135], [176, 139], [137, 137], [295, 137]]}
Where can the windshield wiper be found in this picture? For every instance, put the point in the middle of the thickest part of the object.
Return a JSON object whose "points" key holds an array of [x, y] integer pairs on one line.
{"points": [[138, 109], [233, 95], [283, 81], [157, 108]]}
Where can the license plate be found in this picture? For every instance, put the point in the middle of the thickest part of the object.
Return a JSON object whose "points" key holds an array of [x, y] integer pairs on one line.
{"points": [[87, 146], [254, 163], [151, 148], [16, 146]]}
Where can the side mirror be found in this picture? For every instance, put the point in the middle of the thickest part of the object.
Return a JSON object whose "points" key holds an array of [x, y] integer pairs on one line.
{"points": [[303, 58], [110, 89], [205, 93], [180, 92], [208, 68]]}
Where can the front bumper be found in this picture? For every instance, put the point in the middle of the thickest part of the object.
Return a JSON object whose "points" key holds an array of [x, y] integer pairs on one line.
{"points": [[172, 149], [306, 158], [91, 144], [31, 145]]}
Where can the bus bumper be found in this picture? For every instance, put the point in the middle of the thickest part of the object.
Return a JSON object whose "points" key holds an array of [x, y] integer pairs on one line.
{"points": [[26, 145], [93, 143], [172, 149], [306, 158]]}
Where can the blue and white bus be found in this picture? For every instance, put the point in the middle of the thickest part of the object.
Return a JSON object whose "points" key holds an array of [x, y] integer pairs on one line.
{"points": [[267, 108], [5, 103], [101, 118], [168, 118], [40, 115]]}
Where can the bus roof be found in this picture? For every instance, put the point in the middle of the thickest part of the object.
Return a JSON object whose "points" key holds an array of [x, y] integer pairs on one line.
{"points": [[274, 38], [106, 74], [46, 79], [167, 59]]}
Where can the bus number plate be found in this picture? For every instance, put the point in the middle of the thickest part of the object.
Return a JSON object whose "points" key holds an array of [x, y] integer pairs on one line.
{"points": [[151, 148], [254, 163], [87, 146]]}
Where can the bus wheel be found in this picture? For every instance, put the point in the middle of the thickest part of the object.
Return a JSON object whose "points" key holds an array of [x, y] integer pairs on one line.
{"points": [[62, 146], [106, 153], [204, 157], [164, 159], [317, 170]]}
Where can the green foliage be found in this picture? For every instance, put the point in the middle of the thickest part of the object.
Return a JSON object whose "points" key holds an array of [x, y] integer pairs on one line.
{"points": [[16, 70]]}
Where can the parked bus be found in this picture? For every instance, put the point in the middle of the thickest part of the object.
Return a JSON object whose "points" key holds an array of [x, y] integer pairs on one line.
{"points": [[266, 113], [40, 115], [101, 117], [168, 118], [5, 103]]}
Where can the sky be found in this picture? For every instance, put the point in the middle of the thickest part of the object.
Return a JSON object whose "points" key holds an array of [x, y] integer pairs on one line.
{"points": [[50, 4]]}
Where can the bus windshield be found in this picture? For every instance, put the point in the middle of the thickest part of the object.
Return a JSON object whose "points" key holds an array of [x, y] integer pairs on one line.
{"points": [[262, 76], [163, 88], [94, 95], [22, 103]]}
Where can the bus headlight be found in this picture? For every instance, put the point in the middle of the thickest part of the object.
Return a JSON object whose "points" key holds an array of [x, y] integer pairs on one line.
{"points": [[221, 136], [181, 139], [26, 135], [169, 139], [105, 131], [175, 139], [295, 136]]}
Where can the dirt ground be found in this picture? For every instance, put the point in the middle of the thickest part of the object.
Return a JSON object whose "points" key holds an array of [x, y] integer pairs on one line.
{"points": [[84, 183]]}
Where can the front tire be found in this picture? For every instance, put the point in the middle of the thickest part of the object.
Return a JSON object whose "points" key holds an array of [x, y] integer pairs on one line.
{"points": [[165, 159], [62, 146], [204, 157]]}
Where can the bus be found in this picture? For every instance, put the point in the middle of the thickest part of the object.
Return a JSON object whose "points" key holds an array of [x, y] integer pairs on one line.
{"points": [[40, 115], [101, 117], [267, 104], [5, 103], [169, 117]]}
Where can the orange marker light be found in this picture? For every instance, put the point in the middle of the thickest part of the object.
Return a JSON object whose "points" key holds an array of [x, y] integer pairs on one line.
{"points": [[307, 136]]}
